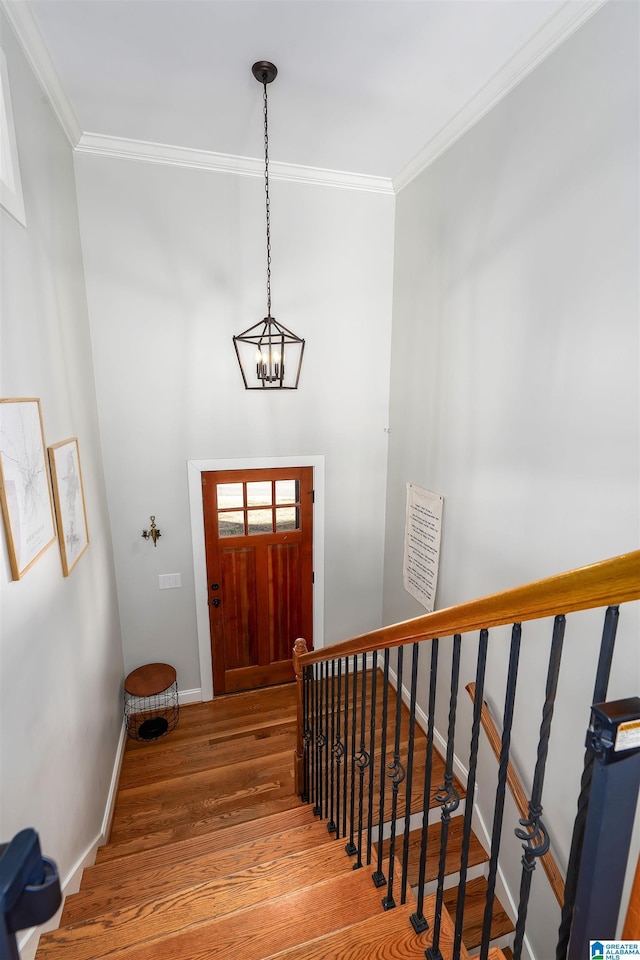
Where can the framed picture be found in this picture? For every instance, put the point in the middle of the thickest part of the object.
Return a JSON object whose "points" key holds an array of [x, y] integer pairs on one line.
{"points": [[10, 182], [68, 494], [25, 491]]}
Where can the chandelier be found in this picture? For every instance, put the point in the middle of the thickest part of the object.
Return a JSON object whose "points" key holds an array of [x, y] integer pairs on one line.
{"points": [[269, 354]]}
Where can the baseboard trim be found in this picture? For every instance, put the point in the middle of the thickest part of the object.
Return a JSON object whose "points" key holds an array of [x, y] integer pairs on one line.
{"points": [[190, 696], [113, 786], [28, 939]]}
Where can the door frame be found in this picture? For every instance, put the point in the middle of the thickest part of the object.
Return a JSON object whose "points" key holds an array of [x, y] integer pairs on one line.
{"points": [[195, 469]]}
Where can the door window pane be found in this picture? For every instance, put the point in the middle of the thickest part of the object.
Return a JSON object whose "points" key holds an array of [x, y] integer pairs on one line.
{"points": [[231, 524], [287, 518], [287, 491], [259, 493], [259, 521], [230, 496]]}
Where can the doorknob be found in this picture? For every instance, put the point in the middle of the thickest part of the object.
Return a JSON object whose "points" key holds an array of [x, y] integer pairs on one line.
{"points": [[216, 601]]}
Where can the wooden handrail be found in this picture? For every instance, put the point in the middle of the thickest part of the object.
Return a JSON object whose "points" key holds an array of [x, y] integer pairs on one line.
{"points": [[495, 740], [598, 585], [631, 929]]}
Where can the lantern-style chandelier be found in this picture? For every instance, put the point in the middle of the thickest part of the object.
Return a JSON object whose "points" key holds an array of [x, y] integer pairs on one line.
{"points": [[270, 355]]}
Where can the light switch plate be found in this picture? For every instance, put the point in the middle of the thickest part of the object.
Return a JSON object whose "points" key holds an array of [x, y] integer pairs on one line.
{"points": [[169, 581]]}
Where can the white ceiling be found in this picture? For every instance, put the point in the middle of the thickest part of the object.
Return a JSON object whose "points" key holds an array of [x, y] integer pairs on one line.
{"points": [[363, 86]]}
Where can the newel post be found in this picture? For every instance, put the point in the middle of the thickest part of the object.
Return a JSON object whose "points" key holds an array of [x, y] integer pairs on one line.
{"points": [[299, 648], [613, 739]]}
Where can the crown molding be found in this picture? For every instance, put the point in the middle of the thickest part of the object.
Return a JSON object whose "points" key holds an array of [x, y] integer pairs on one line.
{"points": [[23, 24], [123, 149], [555, 31]]}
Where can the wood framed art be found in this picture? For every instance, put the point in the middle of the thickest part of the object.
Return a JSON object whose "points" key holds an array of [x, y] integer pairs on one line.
{"points": [[68, 495], [25, 490]]}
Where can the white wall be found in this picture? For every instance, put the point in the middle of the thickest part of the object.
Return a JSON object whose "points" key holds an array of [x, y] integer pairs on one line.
{"points": [[515, 362], [175, 265], [61, 662]]}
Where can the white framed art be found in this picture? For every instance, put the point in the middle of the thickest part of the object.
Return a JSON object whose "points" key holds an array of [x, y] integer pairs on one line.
{"points": [[25, 491], [68, 495]]}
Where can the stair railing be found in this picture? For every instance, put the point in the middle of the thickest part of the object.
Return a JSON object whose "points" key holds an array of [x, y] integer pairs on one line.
{"points": [[547, 860], [356, 745]]}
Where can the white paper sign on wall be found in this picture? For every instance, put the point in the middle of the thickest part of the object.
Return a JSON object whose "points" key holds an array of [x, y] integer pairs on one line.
{"points": [[423, 527]]}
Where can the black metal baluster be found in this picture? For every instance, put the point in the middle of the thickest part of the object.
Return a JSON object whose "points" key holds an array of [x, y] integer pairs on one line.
{"points": [[471, 784], [396, 773], [326, 740], [577, 840], [409, 783], [362, 760], [306, 736], [331, 825], [318, 807], [418, 919], [448, 797], [350, 847], [534, 832], [312, 745], [498, 811], [372, 752], [338, 749], [378, 876], [345, 772]]}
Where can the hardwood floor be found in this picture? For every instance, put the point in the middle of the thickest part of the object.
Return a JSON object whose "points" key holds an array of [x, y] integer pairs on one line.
{"points": [[228, 761], [212, 856]]}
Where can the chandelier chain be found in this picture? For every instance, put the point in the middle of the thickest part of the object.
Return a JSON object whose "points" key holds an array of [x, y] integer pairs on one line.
{"points": [[267, 199]]}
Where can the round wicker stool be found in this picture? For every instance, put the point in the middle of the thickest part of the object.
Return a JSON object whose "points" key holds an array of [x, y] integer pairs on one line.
{"points": [[151, 701]]}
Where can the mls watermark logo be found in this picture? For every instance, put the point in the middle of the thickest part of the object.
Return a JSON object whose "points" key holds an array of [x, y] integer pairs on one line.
{"points": [[613, 949]]}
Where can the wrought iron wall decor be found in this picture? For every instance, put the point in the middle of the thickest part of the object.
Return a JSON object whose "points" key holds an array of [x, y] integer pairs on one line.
{"points": [[269, 354]]}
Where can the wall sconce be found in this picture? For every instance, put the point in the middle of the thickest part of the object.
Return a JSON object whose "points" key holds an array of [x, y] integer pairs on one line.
{"points": [[152, 533]]}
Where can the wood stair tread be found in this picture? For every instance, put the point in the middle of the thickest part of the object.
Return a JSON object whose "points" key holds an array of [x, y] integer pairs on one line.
{"points": [[227, 778], [158, 916], [224, 717], [213, 856], [239, 783], [289, 826], [310, 845], [285, 920], [179, 761], [197, 828], [477, 853], [387, 936], [495, 953], [474, 904]]}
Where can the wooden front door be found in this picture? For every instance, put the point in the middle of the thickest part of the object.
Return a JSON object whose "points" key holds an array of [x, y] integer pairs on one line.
{"points": [[259, 549]]}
